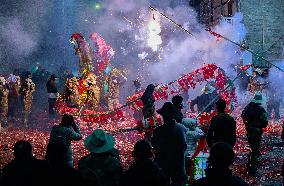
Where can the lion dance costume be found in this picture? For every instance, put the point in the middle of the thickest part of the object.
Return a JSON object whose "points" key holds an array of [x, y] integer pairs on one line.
{"points": [[4, 92], [27, 90], [95, 72]]}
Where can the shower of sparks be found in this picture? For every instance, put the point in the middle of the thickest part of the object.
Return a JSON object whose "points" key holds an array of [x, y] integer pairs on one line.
{"points": [[154, 29]]}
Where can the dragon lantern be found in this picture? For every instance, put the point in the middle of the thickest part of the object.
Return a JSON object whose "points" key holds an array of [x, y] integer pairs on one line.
{"points": [[95, 72]]}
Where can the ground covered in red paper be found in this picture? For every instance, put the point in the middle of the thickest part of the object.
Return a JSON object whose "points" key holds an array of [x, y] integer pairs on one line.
{"points": [[38, 135]]}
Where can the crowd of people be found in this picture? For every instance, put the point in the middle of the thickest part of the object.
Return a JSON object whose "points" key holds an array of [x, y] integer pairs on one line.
{"points": [[158, 159], [16, 99]]}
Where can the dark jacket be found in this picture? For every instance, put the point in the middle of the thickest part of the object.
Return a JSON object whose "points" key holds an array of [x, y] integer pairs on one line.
{"points": [[170, 144], [66, 135], [64, 175], [51, 86], [218, 177], [202, 101], [222, 129], [254, 116], [178, 116], [102, 169], [27, 172], [142, 173]]}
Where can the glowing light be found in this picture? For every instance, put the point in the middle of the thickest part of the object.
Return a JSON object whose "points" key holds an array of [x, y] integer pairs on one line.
{"points": [[97, 6], [154, 30]]}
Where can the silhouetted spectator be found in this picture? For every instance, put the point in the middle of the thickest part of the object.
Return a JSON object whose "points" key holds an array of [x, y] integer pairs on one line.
{"points": [[170, 144], [218, 169], [24, 170], [66, 132], [255, 119], [61, 174], [144, 168], [222, 127], [52, 95], [102, 166], [178, 106], [148, 101], [202, 101]]}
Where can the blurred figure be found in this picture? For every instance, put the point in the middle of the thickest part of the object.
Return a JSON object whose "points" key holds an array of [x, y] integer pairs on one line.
{"points": [[14, 85], [24, 170], [274, 101], [144, 167], [193, 134], [148, 101], [218, 170], [66, 132], [27, 90], [170, 144], [138, 114], [222, 127], [102, 166], [282, 135], [4, 92], [52, 95], [255, 119], [185, 96], [208, 94], [178, 106], [137, 85], [61, 174], [115, 81]]}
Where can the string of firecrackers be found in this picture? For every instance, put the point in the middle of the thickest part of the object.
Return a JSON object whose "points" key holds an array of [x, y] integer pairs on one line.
{"points": [[209, 71], [205, 73]]}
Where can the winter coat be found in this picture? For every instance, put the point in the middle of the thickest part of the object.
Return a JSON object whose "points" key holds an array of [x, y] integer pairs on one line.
{"points": [[51, 86], [222, 129], [170, 144], [192, 137], [202, 101], [178, 116], [254, 116], [219, 177], [66, 135], [25, 172], [64, 175], [102, 169], [142, 173]]}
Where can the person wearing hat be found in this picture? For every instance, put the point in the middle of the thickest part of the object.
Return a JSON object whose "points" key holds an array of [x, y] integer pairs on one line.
{"points": [[52, 95], [202, 101], [218, 170], [255, 119], [102, 166], [170, 145], [143, 167]]}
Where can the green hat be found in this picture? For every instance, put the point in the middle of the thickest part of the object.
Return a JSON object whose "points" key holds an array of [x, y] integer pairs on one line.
{"points": [[99, 141], [257, 98]]}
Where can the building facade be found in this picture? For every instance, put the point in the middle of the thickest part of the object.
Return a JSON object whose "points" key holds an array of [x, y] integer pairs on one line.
{"points": [[210, 12], [264, 20]]}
